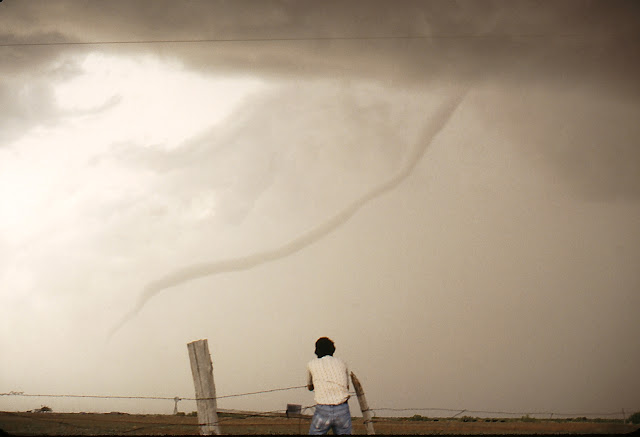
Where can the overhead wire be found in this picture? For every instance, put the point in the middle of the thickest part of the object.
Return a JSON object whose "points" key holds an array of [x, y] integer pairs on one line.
{"points": [[286, 39]]}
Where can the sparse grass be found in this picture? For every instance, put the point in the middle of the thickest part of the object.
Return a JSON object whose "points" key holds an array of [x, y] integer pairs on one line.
{"points": [[243, 423]]}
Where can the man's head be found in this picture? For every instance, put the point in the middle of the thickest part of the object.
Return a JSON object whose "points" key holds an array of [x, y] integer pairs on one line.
{"points": [[324, 346]]}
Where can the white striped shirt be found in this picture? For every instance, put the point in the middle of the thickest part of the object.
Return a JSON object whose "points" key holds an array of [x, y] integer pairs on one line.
{"points": [[330, 379]]}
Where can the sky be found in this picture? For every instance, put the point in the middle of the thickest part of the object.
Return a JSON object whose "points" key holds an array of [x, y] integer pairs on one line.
{"points": [[449, 190]]}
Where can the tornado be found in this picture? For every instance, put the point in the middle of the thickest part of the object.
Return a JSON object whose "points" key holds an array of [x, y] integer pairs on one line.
{"points": [[434, 125]]}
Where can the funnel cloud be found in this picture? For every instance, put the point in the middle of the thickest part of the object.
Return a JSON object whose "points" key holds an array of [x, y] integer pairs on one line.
{"points": [[434, 126]]}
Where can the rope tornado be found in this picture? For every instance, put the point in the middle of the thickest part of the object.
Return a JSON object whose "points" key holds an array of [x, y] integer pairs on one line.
{"points": [[433, 128]]}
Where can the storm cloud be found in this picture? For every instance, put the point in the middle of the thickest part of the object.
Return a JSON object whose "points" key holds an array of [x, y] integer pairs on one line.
{"points": [[320, 155]]}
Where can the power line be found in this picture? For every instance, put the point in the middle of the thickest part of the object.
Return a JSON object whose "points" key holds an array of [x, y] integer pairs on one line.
{"points": [[287, 39]]}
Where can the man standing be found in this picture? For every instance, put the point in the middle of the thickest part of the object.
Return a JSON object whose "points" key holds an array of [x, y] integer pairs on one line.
{"points": [[329, 378]]}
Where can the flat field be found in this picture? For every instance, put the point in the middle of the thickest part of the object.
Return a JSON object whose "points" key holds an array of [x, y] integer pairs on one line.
{"points": [[40, 424]]}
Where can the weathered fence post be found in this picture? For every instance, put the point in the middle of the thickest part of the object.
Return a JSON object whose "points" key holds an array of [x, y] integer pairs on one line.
{"points": [[202, 371], [364, 407], [175, 408]]}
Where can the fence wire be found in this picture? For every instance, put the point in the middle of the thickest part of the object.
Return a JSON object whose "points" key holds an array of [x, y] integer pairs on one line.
{"points": [[163, 398], [235, 420], [453, 412]]}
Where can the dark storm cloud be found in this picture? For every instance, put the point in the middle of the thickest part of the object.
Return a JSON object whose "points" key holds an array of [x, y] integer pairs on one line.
{"points": [[304, 19], [519, 43], [464, 37], [466, 40], [27, 80]]}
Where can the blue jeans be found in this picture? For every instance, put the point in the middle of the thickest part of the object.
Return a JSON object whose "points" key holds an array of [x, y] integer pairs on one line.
{"points": [[335, 417]]}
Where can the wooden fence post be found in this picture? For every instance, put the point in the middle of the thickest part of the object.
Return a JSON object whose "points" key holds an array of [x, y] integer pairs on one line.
{"points": [[202, 371], [364, 407]]}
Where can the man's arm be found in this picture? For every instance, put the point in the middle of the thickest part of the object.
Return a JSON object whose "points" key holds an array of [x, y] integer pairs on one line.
{"points": [[347, 370], [309, 380]]}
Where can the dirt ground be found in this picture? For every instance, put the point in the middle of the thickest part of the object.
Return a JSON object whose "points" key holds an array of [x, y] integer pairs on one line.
{"points": [[65, 424]]}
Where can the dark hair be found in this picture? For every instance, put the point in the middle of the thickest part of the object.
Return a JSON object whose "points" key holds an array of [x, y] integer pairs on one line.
{"points": [[324, 346]]}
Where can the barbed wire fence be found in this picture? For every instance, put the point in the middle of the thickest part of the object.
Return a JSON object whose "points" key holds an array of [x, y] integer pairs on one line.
{"points": [[440, 412]]}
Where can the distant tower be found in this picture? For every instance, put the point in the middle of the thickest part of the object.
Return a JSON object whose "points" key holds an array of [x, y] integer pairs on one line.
{"points": [[175, 408]]}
